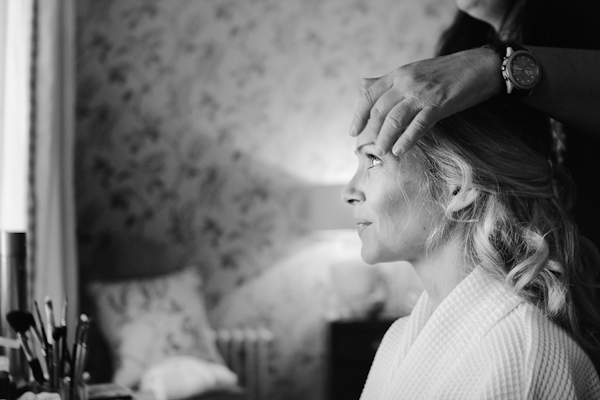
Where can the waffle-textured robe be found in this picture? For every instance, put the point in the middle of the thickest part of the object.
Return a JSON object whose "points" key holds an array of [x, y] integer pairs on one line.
{"points": [[482, 342]]}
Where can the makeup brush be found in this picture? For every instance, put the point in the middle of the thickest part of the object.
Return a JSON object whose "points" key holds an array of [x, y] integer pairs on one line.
{"points": [[20, 322], [79, 350], [64, 348], [57, 336], [38, 335], [42, 332], [49, 319], [41, 322], [52, 345]]}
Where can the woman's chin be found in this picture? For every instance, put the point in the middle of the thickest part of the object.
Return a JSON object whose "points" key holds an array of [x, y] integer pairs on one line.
{"points": [[368, 257], [373, 258]]}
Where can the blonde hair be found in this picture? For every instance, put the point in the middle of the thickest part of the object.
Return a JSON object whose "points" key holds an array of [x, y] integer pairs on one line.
{"points": [[519, 228]]}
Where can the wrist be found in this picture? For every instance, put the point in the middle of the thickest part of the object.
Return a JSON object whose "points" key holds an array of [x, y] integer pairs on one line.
{"points": [[492, 64], [519, 68]]}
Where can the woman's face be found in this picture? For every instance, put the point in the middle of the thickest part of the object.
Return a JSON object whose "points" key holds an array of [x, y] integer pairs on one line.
{"points": [[490, 11], [393, 217]]}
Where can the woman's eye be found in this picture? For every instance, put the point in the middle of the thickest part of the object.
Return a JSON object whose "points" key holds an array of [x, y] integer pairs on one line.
{"points": [[373, 160]]}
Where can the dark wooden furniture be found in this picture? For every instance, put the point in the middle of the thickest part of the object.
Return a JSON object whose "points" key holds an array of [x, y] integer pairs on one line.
{"points": [[352, 346]]}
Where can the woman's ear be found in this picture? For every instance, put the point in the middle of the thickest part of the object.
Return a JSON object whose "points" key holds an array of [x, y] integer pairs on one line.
{"points": [[460, 198]]}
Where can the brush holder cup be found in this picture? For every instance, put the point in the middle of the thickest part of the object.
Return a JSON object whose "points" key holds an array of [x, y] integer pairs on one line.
{"points": [[67, 390], [13, 296]]}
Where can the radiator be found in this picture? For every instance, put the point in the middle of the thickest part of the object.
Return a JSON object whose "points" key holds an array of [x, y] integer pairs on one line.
{"points": [[247, 353]]}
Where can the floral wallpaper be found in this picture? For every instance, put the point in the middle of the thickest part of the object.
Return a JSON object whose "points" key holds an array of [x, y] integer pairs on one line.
{"points": [[198, 125]]}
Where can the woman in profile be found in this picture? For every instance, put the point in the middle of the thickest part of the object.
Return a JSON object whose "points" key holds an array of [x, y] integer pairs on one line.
{"points": [[480, 212]]}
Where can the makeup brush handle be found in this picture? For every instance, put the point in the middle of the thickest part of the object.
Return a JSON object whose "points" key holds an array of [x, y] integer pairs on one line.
{"points": [[50, 365], [32, 360], [24, 346], [36, 370]]}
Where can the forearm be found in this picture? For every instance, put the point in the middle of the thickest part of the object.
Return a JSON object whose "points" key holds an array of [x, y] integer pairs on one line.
{"points": [[569, 89], [405, 103]]}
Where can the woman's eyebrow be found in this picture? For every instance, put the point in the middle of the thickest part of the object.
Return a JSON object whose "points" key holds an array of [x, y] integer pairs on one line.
{"points": [[361, 146]]}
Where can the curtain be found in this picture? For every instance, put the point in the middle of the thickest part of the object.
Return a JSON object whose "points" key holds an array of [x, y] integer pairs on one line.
{"points": [[52, 241], [15, 56]]}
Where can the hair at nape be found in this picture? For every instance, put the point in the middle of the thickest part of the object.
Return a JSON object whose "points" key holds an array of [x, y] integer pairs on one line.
{"points": [[518, 228]]}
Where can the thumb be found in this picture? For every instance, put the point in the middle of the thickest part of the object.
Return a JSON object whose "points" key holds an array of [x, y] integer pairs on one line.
{"points": [[367, 82]]}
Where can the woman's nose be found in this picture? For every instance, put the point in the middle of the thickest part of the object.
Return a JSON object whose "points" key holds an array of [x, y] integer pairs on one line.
{"points": [[350, 194]]}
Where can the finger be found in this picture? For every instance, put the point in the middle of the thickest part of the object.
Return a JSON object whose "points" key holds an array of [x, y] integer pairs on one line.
{"points": [[367, 82], [367, 99], [396, 121], [380, 112], [418, 127]]}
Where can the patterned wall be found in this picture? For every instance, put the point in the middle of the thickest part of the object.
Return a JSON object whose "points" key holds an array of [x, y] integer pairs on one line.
{"points": [[197, 123]]}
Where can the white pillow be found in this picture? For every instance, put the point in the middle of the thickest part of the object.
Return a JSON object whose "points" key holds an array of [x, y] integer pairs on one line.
{"points": [[181, 377], [146, 321]]}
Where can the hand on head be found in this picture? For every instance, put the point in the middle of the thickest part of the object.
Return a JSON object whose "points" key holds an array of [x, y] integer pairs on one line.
{"points": [[404, 104]]}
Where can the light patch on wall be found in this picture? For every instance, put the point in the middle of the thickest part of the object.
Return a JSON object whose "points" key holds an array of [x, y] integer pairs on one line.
{"points": [[327, 210]]}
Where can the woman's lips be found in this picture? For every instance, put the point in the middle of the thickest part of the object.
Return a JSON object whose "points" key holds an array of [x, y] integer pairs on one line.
{"points": [[362, 224]]}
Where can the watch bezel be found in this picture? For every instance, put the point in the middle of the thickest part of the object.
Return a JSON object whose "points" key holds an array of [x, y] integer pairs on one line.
{"points": [[508, 74]]}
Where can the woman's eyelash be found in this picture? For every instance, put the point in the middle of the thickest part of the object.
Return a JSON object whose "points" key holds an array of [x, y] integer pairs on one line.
{"points": [[374, 160]]}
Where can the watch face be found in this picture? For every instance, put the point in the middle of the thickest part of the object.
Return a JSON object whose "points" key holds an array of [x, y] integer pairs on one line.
{"points": [[524, 70]]}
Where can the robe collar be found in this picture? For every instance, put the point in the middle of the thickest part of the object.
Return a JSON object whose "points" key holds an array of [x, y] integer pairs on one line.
{"points": [[436, 337]]}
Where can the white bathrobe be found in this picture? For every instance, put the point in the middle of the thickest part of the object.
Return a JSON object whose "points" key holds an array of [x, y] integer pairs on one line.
{"points": [[482, 342]]}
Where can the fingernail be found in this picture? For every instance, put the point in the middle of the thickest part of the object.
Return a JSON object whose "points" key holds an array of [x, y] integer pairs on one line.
{"points": [[352, 130], [367, 82], [397, 150]]}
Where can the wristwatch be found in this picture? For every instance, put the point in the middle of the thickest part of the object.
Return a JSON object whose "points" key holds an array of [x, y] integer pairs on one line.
{"points": [[521, 70]]}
